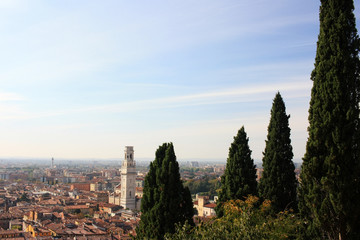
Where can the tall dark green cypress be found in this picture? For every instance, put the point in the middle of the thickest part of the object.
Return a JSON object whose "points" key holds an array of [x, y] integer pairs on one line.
{"points": [[330, 176], [165, 201], [278, 182], [239, 179]]}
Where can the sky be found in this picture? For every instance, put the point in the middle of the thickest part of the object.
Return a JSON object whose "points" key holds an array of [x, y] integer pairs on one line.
{"points": [[84, 79]]}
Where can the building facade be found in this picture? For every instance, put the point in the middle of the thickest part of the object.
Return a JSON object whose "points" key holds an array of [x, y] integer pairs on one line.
{"points": [[128, 179]]}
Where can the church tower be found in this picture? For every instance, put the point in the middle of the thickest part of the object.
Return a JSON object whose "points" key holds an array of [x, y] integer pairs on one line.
{"points": [[128, 179]]}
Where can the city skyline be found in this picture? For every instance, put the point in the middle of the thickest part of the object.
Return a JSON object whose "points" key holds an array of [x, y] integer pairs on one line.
{"points": [[83, 79]]}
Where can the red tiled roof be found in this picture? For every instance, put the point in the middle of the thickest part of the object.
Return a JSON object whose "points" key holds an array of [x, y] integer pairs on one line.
{"points": [[77, 207], [210, 205]]}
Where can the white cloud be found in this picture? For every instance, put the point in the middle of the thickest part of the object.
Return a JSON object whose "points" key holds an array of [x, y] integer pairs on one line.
{"points": [[10, 97], [240, 94], [60, 46], [73, 42]]}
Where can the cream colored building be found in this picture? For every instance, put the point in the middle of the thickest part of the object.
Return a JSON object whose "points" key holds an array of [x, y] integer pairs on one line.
{"points": [[114, 199], [128, 179], [204, 207]]}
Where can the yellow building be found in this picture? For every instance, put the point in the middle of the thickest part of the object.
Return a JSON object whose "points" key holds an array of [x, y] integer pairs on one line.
{"points": [[37, 231]]}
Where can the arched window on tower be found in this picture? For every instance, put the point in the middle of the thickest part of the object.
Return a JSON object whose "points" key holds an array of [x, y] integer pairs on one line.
{"points": [[130, 194]]}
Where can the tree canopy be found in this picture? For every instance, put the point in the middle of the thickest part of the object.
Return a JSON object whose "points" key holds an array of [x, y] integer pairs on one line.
{"points": [[278, 182], [239, 179], [166, 201], [330, 176]]}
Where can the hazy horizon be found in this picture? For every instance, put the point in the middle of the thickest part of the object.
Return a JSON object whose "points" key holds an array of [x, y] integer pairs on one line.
{"points": [[119, 160]]}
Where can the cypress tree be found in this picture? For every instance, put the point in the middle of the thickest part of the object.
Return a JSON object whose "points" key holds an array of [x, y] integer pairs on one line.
{"points": [[278, 182], [329, 190], [239, 179], [165, 201]]}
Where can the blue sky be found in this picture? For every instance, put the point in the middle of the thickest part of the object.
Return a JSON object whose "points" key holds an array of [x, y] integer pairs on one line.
{"points": [[82, 79]]}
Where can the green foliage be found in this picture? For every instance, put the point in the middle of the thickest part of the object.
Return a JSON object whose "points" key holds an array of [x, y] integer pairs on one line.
{"points": [[330, 184], [16, 227], [245, 220], [190, 169], [165, 200], [239, 179], [278, 182], [207, 185]]}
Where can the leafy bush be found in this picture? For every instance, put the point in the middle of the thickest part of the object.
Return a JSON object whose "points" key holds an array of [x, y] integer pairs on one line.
{"points": [[246, 220]]}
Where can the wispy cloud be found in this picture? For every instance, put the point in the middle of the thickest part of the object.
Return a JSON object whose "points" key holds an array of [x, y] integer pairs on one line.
{"points": [[64, 40], [302, 44], [222, 96], [164, 68], [6, 96]]}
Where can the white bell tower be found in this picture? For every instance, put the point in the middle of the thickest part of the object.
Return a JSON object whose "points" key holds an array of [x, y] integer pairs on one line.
{"points": [[128, 179]]}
